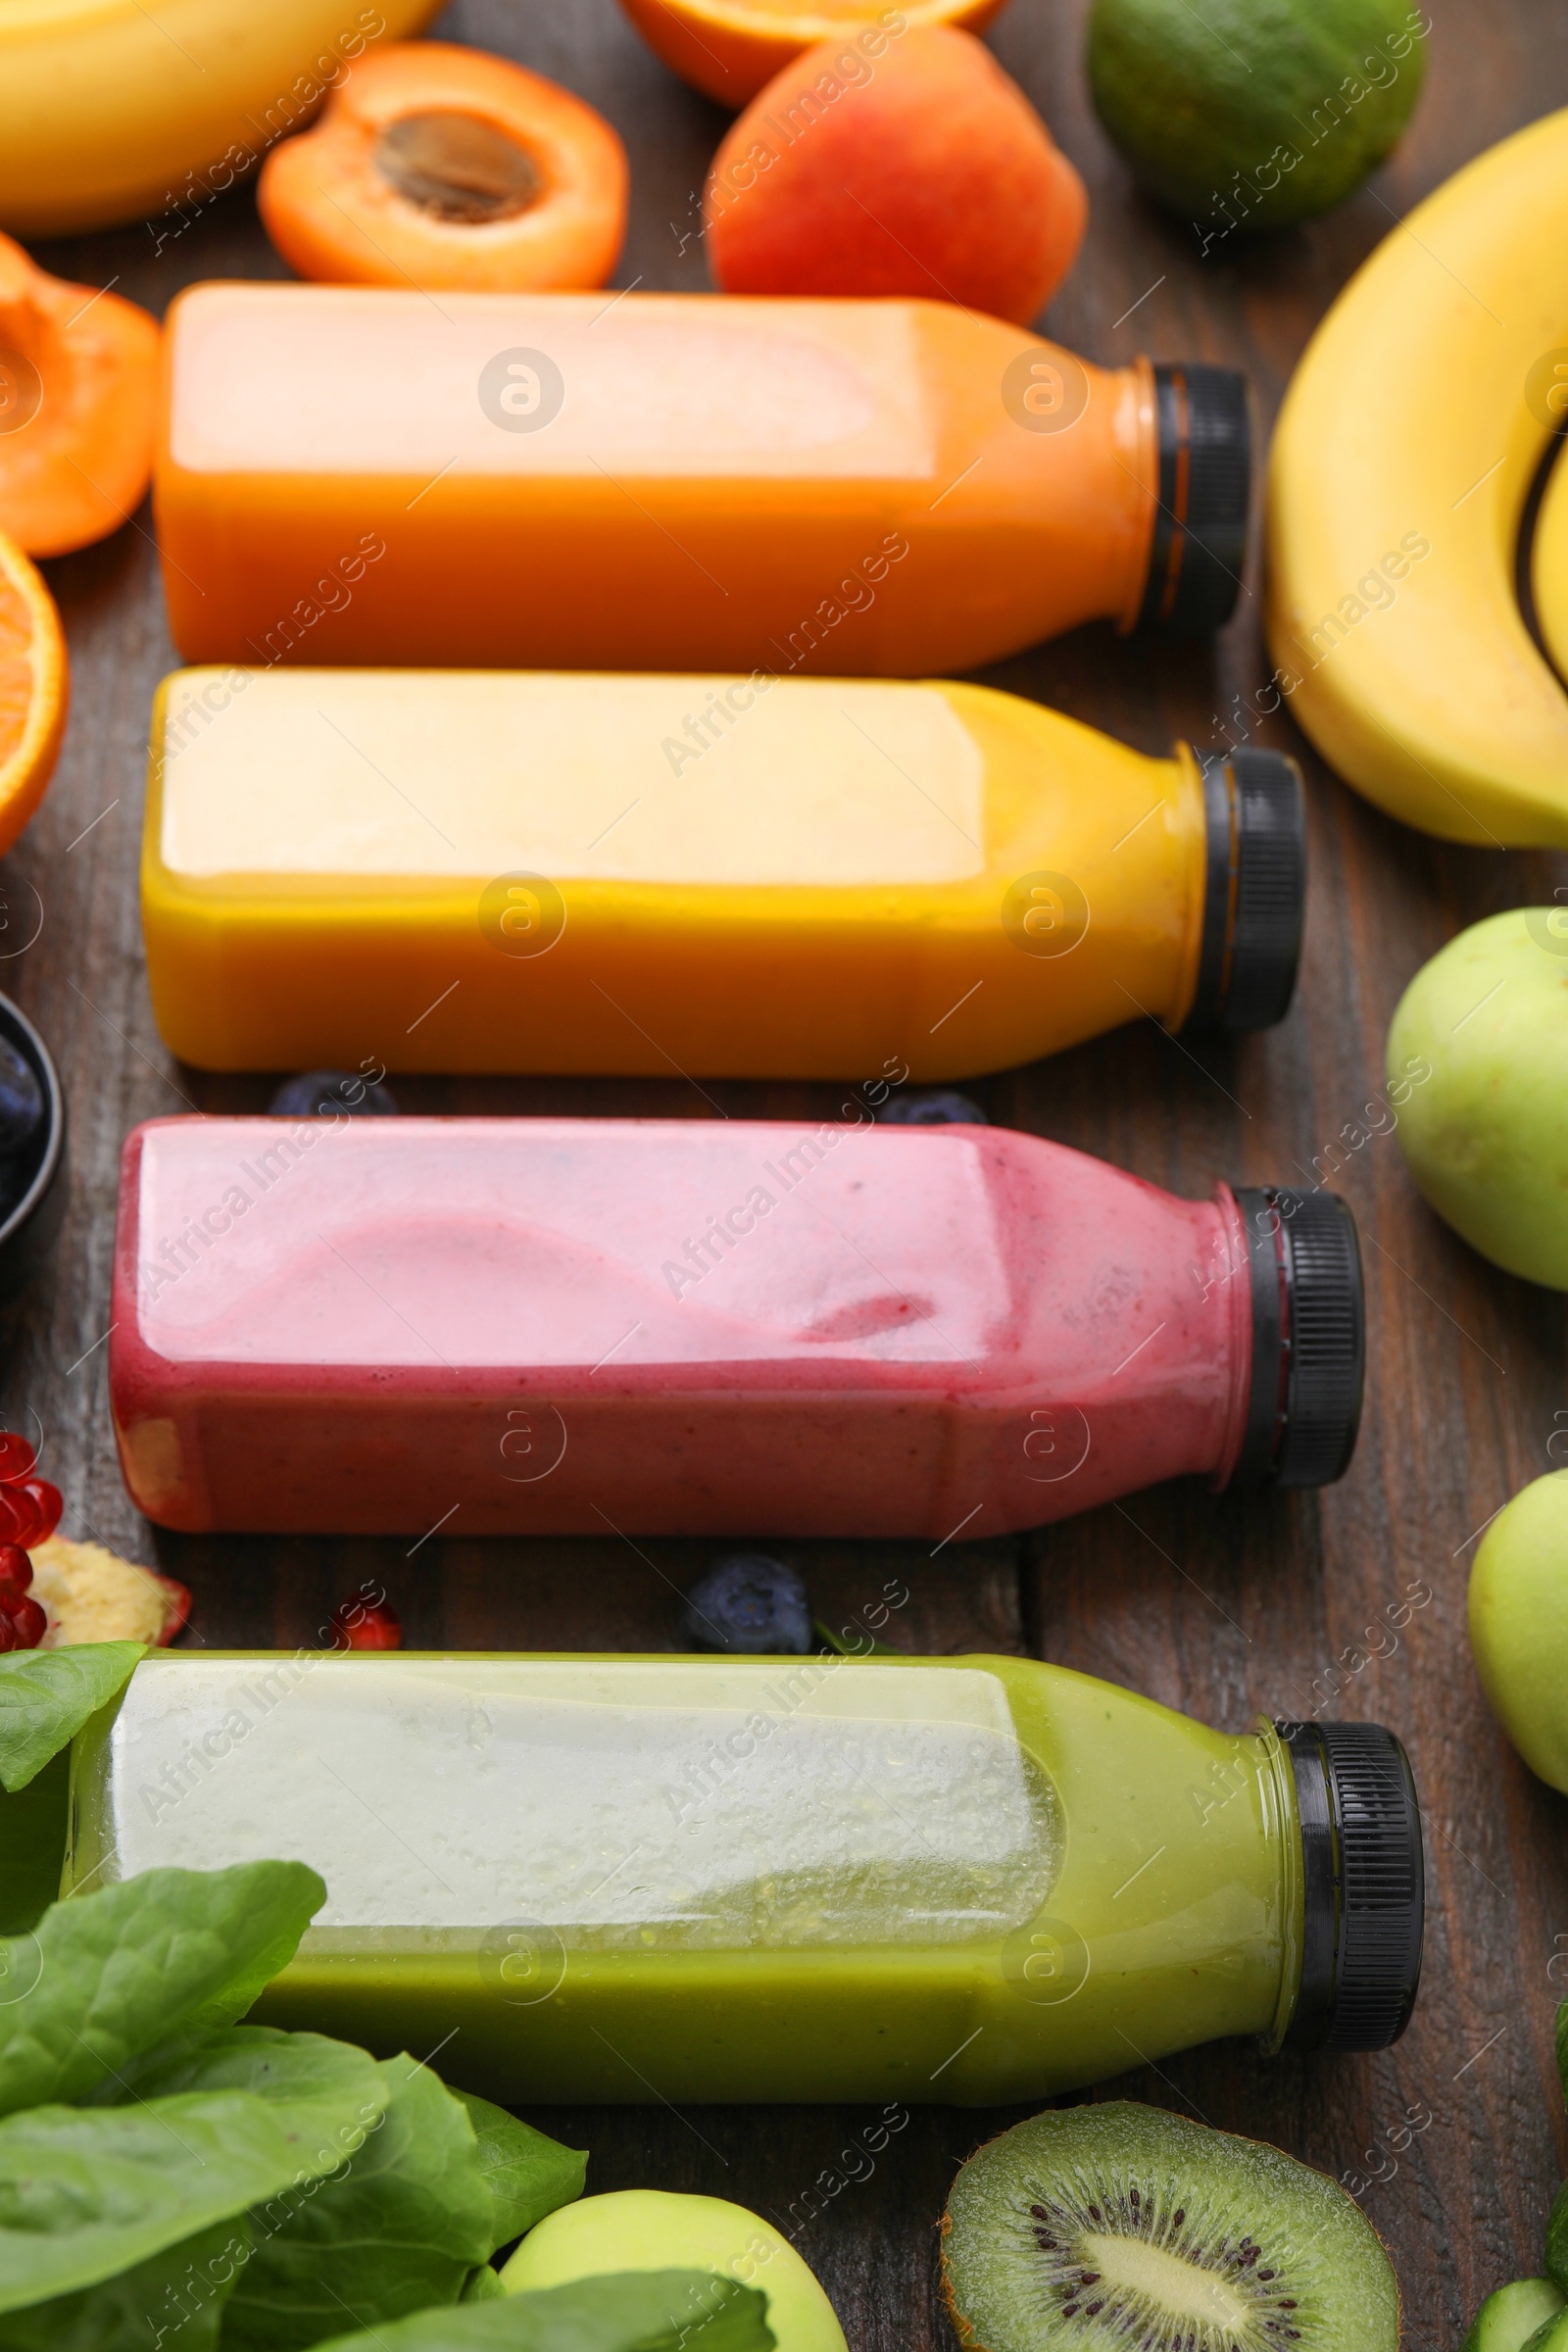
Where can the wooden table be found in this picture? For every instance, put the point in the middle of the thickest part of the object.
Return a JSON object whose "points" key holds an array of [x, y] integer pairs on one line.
{"points": [[1221, 1606]]}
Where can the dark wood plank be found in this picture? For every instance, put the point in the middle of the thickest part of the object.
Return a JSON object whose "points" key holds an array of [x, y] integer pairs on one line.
{"points": [[1227, 1607]]}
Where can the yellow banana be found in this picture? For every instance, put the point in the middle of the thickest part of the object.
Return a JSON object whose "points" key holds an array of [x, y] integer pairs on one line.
{"points": [[111, 111], [1405, 455], [1549, 565]]}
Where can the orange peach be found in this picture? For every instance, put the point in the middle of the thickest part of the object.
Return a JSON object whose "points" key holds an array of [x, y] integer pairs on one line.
{"points": [[903, 163]]}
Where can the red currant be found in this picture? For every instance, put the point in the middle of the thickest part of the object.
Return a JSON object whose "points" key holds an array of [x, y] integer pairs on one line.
{"points": [[9, 1637], [365, 1621], [47, 1501], [16, 1571], [16, 1457], [28, 1618]]}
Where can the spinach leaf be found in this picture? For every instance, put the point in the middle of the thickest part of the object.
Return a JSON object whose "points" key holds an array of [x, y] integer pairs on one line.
{"points": [[335, 2093], [529, 2174], [46, 1695], [630, 2310], [88, 2192], [483, 2285], [400, 2227], [118, 1971], [179, 2293], [32, 1846]]}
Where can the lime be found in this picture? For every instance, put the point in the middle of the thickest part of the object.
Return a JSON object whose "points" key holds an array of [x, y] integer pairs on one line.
{"points": [[1250, 114]]}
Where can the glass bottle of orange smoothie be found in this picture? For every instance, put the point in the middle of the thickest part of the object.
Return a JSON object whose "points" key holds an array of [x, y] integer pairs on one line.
{"points": [[669, 481]]}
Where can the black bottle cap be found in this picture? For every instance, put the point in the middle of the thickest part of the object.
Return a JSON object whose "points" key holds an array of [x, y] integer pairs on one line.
{"points": [[1309, 1337], [1364, 1884], [1206, 479], [1255, 895]]}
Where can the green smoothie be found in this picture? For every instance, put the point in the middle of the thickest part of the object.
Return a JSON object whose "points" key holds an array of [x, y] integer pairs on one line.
{"points": [[972, 1879]]}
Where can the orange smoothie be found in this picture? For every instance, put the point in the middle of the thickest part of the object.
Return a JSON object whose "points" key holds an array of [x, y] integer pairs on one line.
{"points": [[660, 481]]}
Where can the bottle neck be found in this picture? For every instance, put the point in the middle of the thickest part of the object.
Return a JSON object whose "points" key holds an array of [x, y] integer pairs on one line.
{"points": [[1281, 1807]]}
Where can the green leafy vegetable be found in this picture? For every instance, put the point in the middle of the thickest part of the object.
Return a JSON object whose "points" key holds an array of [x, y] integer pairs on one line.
{"points": [[1556, 2262], [87, 2193], [631, 2311], [46, 1695], [120, 1971], [483, 2285], [529, 2174], [402, 2226], [184, 2288], [333, 2091], [166, 2170], [32, 1845]]}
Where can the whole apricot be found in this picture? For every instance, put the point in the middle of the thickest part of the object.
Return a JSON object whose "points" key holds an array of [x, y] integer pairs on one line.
{"points": [[905, 164]]}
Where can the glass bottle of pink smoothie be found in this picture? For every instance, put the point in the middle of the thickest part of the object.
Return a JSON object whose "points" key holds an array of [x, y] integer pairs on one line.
{"points": [[705, 1326]]}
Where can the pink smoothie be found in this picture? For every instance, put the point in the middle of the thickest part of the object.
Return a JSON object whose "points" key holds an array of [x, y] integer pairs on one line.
{"points": [[700, 1327]]}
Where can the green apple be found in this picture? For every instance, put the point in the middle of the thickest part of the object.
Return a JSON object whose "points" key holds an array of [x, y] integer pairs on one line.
{"points": [[1486, 1130], [1519, 1623], [652, 2229], [1508, 2319]]}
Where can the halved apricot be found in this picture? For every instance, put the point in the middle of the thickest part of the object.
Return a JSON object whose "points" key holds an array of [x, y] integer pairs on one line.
{"points": [[78, 390], [730, 48], [438, 166]]}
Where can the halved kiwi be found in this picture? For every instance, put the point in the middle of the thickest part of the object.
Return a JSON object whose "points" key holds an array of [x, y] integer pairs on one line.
{"points": [[1123, 2226]]}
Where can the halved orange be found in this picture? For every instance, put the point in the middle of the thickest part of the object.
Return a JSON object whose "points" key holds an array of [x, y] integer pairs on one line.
{"points": [[34, 687], [730, 48]]}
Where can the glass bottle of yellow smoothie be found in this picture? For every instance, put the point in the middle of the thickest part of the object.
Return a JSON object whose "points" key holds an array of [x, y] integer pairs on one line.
{"points": [[965, 1880], [758, 876]]}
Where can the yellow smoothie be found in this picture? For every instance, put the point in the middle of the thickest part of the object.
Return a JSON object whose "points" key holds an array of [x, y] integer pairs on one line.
{"points": [[733, 876]]}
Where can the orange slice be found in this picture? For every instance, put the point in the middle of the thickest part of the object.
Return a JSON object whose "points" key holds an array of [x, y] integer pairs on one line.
{"points": [[730, 48], [34, 685]]}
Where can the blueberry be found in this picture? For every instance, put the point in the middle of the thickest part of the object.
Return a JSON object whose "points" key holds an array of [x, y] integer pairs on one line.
{"points": [[749, 1606], [22, 1123], [939, 1107], [328, 1094]]}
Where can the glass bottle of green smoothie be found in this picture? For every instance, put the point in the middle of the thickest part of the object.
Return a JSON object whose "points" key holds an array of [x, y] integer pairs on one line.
{"points": [[971, 1879]]}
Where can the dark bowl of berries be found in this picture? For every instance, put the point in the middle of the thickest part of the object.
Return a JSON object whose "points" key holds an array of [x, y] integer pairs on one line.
{"points": [[32, 1151]]}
